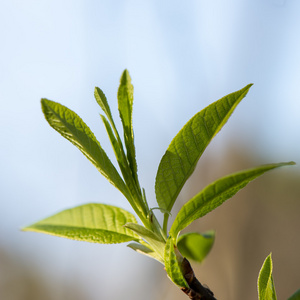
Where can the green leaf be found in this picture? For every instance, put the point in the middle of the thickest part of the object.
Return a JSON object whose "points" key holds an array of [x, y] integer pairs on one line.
{"points": [[145, 251], [102, 101], [125, 102], [114, 142], [173, 261], [265, 283], [182, 155], [110, 126], [196, 246], [127, 175], [126, 162], [96, 223], [295, 296], [215, 194], [155, 241], [71, 127]]}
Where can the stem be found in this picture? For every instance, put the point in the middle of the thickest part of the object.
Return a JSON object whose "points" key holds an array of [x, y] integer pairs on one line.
{"points": [[157, 227], [165, 224], [196, 290]]}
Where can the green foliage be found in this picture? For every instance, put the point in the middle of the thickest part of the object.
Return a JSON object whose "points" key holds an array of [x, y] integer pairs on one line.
{"points": [[71, 127], [215, 194], [196, 246], [156, 242], [107, 224], [173, 261], [97, 223], [125, 102], [265, 283], [145, 249], [182, 155]]}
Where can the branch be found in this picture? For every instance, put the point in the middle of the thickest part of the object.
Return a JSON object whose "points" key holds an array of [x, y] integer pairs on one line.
{"points": [[196, 290]]}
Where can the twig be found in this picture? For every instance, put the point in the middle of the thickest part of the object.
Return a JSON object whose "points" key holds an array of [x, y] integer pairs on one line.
{"points": [[196, 290]]}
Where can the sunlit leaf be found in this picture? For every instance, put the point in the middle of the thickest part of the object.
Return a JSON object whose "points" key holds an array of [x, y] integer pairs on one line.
{"points": [[155, 241], [196, 246], [114, 142], [137, 201], [71, 127], [173, 261], [125, 102], [102, 101], [265, 283], [145, 251], [215, 194], [96, 223], [183, 153]]}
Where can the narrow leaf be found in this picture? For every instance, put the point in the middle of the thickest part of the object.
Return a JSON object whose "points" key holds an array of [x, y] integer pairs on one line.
{"points": [[136, 202], [295, 296], [96, 223], [152, 238], [196, 246], [145, 251], [102, 101], [71, 127], [182, 155], [173, 261], [215, 194], [265, 284], [114, 142], [125, 102]]}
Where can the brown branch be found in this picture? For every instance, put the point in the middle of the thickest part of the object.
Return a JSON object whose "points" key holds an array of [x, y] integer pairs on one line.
{"points": [[196, 290]]}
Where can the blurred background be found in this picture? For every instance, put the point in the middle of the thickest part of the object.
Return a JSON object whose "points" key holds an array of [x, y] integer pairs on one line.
{"points": [[181, 56]]}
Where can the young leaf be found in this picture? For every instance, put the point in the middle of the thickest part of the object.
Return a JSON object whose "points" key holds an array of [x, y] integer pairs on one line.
{"points": [[96, 223], [125, 102], [265, 284], [127, 163], [71, 127], [295, 296], [110, 127], [155, 241], [183, 153], [127, 175], [146, 251], [114, 143], [102, 101], [173, 261], [196, 246], [215, 194]]}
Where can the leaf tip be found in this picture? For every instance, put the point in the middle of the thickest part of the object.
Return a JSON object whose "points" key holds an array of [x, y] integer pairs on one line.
{"points": [[125, 77], [247, 88], [26, 228], [43, 102]]}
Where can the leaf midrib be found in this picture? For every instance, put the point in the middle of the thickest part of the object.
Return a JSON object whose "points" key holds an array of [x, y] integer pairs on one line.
{"points": [[40, 227]]}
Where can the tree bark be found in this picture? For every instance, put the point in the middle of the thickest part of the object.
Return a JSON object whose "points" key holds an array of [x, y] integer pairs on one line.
{"points": [[196, 290]]}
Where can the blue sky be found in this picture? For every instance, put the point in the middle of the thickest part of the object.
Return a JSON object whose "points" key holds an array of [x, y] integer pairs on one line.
{"points": [[181, 57]]}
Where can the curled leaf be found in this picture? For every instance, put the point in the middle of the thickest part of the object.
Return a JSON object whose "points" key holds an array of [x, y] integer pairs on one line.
{"points": [[196, 246]]}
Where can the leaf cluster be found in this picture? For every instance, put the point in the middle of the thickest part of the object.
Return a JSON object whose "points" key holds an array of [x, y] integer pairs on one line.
{"points": [[108, 224]]}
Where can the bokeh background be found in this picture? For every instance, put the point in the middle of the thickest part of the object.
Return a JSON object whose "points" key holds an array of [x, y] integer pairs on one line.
{"points": [[182, 55]]}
